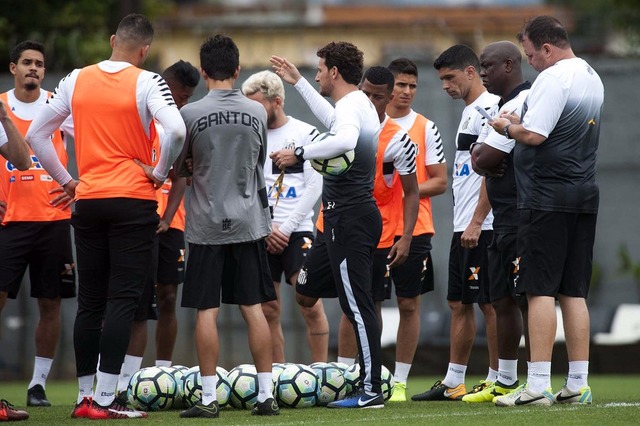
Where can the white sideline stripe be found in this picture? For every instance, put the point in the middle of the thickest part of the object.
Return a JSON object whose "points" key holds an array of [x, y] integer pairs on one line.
{"points": [[556, 407]]}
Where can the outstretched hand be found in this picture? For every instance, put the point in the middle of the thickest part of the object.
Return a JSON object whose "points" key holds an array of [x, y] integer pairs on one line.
{"points": [[285, 69]]}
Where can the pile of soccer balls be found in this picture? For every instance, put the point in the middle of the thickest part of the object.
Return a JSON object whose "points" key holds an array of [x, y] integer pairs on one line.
{"points": [[295, 385]]}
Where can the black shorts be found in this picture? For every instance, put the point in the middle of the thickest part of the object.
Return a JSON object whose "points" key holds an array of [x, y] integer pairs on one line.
{"points": [[468, 272], [556, 252], [380, 278], [316, 278], [171, 250], [45, 247], [290, 260], [239, 271], [503, 265], [415, 276]]}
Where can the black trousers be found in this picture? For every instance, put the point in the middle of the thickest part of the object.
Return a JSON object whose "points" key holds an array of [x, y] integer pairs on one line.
{"points": [[351, 237], [114, 241]]}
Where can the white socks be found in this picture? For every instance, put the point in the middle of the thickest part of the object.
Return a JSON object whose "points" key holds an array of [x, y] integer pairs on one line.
{"points": [[265, 386], [85, 387], [345, 360], [455, 375], [507, 371], [209, 384], [41, 368], [578, 373], [401, 373], [130, 365], [105, 388], [492, 375], [163, 363], [539, 376]]}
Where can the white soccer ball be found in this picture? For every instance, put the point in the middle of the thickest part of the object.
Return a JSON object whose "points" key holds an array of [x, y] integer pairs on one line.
{"points": [[297, 387], [387, 382], [243, 381], [332, 166], [152, 389], [331, 384]]}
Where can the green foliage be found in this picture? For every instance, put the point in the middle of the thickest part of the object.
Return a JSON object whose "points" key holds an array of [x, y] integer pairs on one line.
{"points": [[628, 266], [75, 32]]}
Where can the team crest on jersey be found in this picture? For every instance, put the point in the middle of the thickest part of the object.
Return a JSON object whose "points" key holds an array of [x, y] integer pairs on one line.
{"points": [[289, 144]]}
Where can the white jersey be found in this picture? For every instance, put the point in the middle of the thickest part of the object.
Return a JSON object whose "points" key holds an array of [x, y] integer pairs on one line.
{"points": [[301, 186], [466, 182], [434, 154]]}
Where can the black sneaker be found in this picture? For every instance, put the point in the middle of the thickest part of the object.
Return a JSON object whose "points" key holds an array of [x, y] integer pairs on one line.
{"points": [[266, 408], [37, 398], [122, 399], [211, 411]]}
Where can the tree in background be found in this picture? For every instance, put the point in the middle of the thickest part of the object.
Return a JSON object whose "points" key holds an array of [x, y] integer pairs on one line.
{"points": [[75, 32]]}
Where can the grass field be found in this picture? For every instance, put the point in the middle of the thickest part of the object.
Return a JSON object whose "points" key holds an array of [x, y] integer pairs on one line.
{"points": [[616, 401]]}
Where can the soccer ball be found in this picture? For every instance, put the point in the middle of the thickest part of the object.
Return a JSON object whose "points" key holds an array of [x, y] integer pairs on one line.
{"points": [[177, 371], [332, 166], [387, 382], [277, 369], [331, 385], [340, 366], [152, 389], [192, 390], [243, 381], [352, 377], [191, 386], [297, 387]]}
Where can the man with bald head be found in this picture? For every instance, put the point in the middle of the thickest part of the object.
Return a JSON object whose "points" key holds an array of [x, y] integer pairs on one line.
{"points": [[113, 104], [492, 157]]}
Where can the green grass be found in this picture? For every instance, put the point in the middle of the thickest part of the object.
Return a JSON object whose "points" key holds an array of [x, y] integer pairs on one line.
{"points": [[616, 401]]}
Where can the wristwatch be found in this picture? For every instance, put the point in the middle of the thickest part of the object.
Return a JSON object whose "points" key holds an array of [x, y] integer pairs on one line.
{"points": [[506, 131], [299, 153]]}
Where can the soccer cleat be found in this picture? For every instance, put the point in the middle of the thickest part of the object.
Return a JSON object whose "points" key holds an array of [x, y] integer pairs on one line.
{"points": [[488, 393], [440, 392], [399, 393], [523, 396], [359, 399], [37, 398], [81, 410], [566, 396], [211, 411], [122, 398], [8, 412], [115, 410], [267, 408]]}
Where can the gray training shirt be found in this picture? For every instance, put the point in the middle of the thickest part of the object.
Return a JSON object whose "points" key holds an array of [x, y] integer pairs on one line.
{"points": [[227, 201]]}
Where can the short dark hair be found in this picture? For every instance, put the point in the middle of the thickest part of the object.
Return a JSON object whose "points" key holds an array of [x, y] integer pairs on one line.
{"points": [[457, 57], [16, 52], [380, 75], [544, 29], [135, 29], [182, 72], [219, 57], [346, 57], [403, 66]]}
